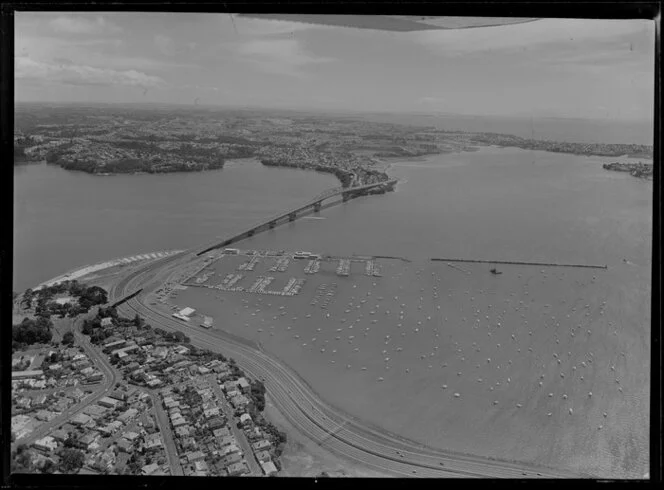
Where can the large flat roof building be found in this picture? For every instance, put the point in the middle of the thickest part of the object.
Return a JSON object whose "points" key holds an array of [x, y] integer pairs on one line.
{"points": [[187, 311]]}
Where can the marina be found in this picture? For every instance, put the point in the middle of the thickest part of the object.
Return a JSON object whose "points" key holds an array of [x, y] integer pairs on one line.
{"points": [[481, 336]]}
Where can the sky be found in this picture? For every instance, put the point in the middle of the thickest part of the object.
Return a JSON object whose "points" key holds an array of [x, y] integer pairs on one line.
{"points": [[594, 69]]}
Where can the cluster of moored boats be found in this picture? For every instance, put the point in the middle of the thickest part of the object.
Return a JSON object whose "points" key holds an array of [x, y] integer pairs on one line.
{"points": [[250, 264], [324, 295], [343, 269], [280, 265], [260, 284], [372, 269], [312, 267], [488, 360]]}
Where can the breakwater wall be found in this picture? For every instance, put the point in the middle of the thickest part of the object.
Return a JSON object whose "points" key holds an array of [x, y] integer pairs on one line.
{"points": [[391, 257], [513, 262]]}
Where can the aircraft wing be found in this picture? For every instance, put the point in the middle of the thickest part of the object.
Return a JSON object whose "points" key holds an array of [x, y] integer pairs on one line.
{"points": [[402, 23]]}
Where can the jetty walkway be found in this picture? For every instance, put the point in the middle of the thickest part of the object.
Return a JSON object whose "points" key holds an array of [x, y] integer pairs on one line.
{"points": [[545, 264]]}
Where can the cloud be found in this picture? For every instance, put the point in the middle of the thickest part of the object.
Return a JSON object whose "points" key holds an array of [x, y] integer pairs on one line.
{"points": [[72, 74], [84, 25], [62, 60], [164, 43], [282, 56], [429, 101], [527, 36], [171, 48]]}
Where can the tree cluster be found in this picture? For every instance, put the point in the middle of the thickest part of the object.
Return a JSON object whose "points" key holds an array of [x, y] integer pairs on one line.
{"points": [[71, 460], [30, 332], [21, 460], [68, 339], [87, 297], [258, 394]]}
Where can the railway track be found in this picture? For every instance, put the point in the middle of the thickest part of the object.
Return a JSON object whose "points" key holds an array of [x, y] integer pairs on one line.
{"points": [[351, 439]]}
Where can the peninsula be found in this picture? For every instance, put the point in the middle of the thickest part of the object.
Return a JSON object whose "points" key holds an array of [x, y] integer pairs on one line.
{"points": [[638, 169], [112, 139]]}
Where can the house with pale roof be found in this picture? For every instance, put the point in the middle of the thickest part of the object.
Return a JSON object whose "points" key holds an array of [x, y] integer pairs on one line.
{"points": [[263, 456], [237, 469], [269, 468], [149, 469], [260, 445], [46, 444]]}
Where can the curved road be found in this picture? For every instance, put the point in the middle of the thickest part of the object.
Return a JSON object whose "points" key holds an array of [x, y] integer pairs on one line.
{"points": [[102, 390], [349, 438]]}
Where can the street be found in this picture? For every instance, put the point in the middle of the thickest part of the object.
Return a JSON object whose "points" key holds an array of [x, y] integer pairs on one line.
{"points": [[254, 467], [102, 390], [169, 444]]}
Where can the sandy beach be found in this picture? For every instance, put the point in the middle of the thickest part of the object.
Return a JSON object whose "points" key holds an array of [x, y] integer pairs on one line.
{"points": [[82, 272]]}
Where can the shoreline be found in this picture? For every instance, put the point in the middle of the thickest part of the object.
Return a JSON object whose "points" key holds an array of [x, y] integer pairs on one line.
{"points": [[381, 165], [80, 272]]}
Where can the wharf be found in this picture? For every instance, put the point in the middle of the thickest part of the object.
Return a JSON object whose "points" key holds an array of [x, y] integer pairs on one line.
{"points": [[543, 264]]}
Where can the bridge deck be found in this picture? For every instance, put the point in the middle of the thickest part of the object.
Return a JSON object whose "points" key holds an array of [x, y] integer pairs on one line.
{"points": [[283, 214]]}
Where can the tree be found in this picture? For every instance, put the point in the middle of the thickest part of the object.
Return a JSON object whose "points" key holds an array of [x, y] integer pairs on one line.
{"points": [[33, 331], [48, 467], [71, 442], [138, 321], [87, 327], [27, 298], [68, 338], [21, 460], [258, 394], [71, 460]]}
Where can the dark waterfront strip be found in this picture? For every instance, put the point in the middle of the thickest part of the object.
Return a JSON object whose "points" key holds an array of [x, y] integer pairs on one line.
{"points": [[588, 266], [391, 257]]}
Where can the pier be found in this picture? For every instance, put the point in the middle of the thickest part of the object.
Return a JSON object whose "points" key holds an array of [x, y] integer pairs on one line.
{"points": [[543, 264], [314, 205]]}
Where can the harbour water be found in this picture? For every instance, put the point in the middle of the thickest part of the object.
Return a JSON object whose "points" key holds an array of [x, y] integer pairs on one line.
{"points": [[64, 220], [502, 204]]}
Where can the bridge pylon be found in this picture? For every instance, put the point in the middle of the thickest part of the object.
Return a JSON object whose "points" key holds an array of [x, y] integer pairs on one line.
{"points": [[317, 207], [292, 216]]}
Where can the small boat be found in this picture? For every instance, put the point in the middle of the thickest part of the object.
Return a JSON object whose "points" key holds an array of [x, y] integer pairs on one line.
{"points": [[495, 272]]}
